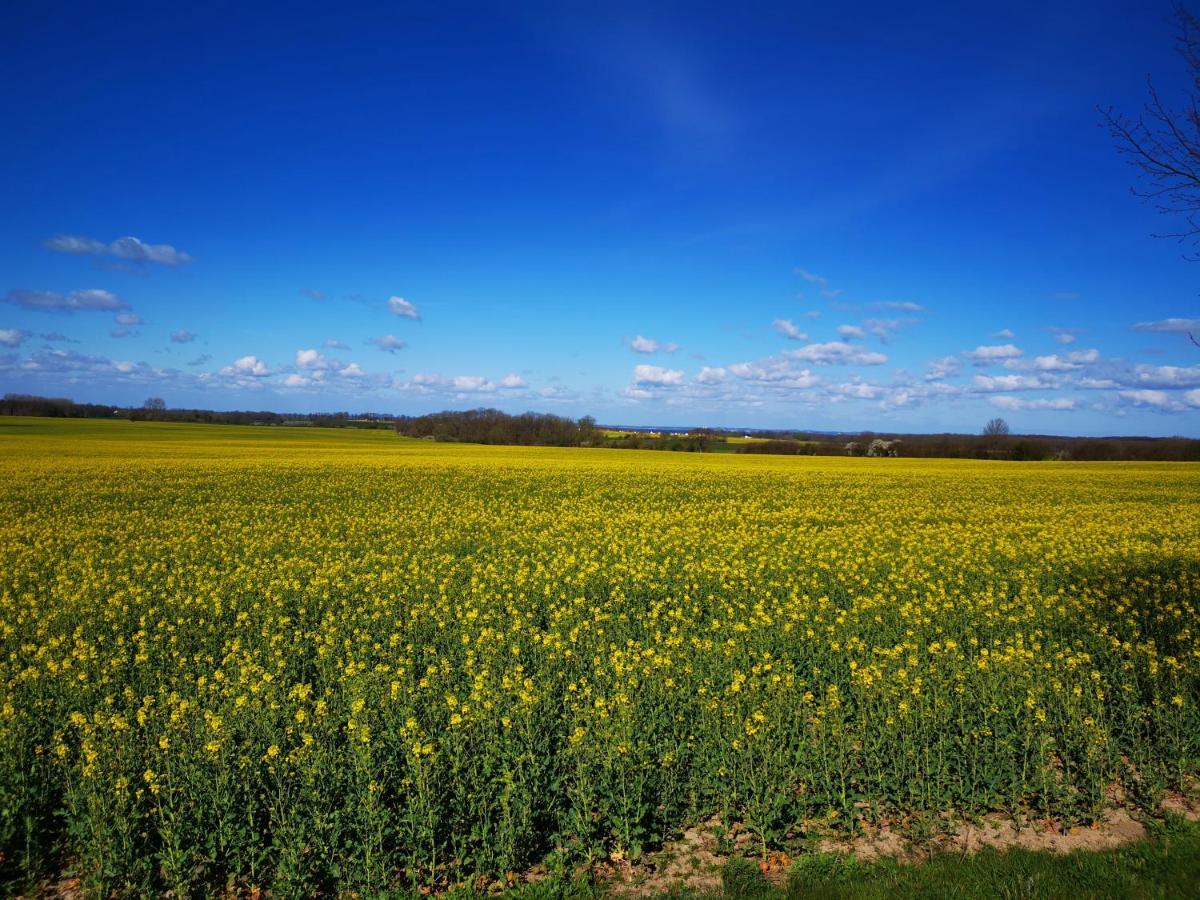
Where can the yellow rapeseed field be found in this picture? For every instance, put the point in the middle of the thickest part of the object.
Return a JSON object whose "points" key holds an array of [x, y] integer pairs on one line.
{"points": [[325, 661]]}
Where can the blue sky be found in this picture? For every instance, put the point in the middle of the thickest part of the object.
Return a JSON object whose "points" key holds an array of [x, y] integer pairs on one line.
{"points": [[894, 217]]}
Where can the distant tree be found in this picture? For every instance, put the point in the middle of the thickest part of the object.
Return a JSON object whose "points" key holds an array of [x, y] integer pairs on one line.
{"points": [[155, 403], [996, 427]]}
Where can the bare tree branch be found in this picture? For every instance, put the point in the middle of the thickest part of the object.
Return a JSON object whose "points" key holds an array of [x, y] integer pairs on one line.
{"points": [[1164, 145]]}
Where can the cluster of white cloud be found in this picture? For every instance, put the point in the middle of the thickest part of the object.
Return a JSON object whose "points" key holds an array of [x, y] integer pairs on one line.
{"points": [[990, 353], [126, 248], [459, 385], [836, 353], [791, 377], [248, 365]]}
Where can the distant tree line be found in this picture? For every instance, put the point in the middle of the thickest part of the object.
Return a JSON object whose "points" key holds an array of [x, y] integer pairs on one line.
{"points": [[988, 446], [53, 407], [491, 426], [154, 409]]}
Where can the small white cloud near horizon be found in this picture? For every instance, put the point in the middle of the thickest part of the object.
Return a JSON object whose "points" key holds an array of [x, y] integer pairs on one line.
{"points": [[836, 353], [511, 381], [643, 374], [987, 353], [401, 307], [1019, 404], [1152, 399]]}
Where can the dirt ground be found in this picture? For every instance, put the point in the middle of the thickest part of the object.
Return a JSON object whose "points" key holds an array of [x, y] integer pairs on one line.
{"points": [[696, 858]]}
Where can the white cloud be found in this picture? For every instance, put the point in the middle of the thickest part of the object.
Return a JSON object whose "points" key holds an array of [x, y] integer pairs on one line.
{"points": [[644, 374], [388, 343], [402, 307], [1151, 398], [993, 353], [13, 337], [851, 331], [311, 359], [182, 336], [812, 278], [711, 375], [648, 345], [942, 368], [295, 380], [1005, 333], [860, 390], [774, 372], [129, 248], [1064, 337], [836, 353], [990, 383], [901, 306], [335, 344], [81, 246], [425, 383], [247, 365], [471, 384], [789, 330], [89, 300], [1175, 326], [643, 345], [1053, 363], [1022, 403], [353, 370], [129, 319], [1163, 376]]}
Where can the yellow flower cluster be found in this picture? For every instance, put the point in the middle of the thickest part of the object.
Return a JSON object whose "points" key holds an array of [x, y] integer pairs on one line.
{"points": [[234, 651]]}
